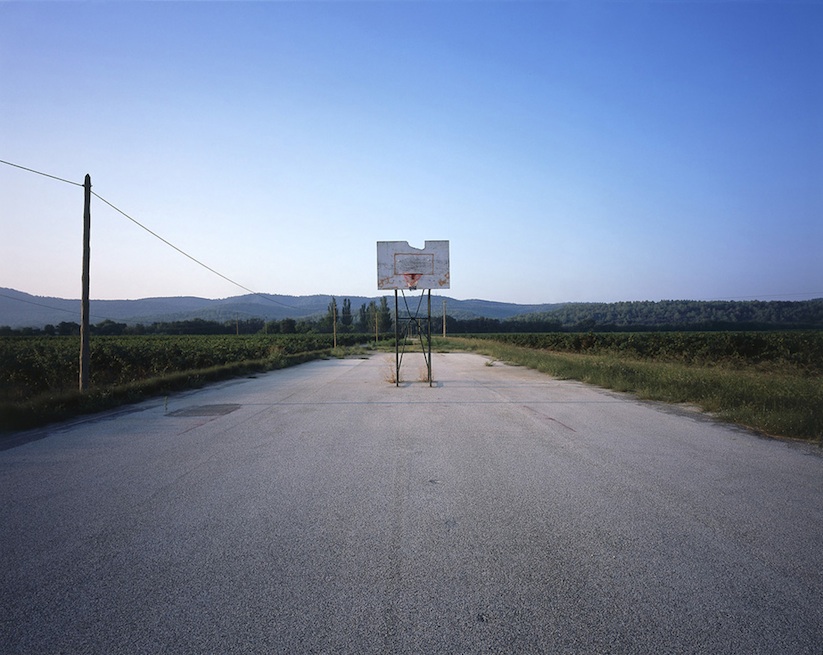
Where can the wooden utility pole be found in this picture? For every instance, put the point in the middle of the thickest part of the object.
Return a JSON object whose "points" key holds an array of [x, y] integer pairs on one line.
{"points": [[85, 353], [334, 323]]}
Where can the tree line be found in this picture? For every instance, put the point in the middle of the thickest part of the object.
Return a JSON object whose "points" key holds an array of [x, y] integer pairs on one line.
{"points": [[371, 318], [677, 314], [377, 317], [665, 315]]}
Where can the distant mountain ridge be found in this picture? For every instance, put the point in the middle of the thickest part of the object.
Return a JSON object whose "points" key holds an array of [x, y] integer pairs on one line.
{"points": [[19, 309]]}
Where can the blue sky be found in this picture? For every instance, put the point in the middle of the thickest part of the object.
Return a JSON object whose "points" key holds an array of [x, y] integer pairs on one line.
{"points": [[569, 151]]}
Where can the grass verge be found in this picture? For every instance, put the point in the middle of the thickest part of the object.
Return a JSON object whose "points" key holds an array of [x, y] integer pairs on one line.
{"points": [[775, 403]]}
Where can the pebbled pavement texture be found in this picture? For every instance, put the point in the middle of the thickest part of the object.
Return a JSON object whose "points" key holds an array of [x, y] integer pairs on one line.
{"points": [[321, 509]]}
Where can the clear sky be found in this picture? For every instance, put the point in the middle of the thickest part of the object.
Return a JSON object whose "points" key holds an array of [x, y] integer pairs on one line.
{"points": [[569, 151]]}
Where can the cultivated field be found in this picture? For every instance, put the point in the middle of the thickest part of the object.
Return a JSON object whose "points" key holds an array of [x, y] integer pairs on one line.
{"points": [[39, 375], [768, 381]]}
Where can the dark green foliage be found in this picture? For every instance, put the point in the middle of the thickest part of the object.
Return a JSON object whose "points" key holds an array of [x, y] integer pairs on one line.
{"points": [[768, 381], [346, 316], [681, 314], [39, 375], [801, 350], [644, 316], [331, 318], [56, 406], [665, 315], [384, 315], [34, 365]]}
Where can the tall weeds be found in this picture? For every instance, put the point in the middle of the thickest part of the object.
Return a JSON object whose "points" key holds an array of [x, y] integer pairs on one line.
{"points": [[783, 403]]}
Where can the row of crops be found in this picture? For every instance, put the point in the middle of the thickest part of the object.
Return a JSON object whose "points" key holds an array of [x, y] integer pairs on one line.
{"points": [[34, 365], [39, 374], [800, 351]]}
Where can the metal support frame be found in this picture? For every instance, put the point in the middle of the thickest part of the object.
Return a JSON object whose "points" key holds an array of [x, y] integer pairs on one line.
{"points": [[412, 323]]}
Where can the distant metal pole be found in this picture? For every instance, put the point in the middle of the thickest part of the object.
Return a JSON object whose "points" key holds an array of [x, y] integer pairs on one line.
{"points": [[85, 353], [334, 323]]}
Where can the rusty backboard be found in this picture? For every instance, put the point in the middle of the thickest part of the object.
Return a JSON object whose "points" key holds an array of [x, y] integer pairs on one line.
{"points": [[401, 266]]}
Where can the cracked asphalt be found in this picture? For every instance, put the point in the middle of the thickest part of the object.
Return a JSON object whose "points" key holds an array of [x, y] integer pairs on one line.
{"points": [[321, 509]]}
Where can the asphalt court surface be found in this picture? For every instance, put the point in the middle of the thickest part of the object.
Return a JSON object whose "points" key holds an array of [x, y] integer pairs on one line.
{"points": [[322, 509]]}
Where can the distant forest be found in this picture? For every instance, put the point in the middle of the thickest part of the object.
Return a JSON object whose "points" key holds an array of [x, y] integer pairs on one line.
{"points": [[573, 317], [662, 315]]}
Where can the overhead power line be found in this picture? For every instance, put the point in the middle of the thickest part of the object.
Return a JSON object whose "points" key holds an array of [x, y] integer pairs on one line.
{"points": [[31, 170], [185, 254], [154, 234], [264, 296]]}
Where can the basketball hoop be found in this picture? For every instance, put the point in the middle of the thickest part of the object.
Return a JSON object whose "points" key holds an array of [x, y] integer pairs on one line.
{"points": [[412, 279], [401, 266]]}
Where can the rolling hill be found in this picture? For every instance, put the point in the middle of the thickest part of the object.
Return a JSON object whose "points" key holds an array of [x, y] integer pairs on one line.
{"points": [[19, 309]]}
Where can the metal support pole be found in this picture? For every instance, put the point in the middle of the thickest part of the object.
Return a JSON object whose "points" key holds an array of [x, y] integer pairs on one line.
{"points": [[429, 327], [396, 342], [85, 352]]}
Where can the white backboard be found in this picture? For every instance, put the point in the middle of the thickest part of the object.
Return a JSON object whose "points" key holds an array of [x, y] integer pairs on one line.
{"points": [[400, 266]]}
